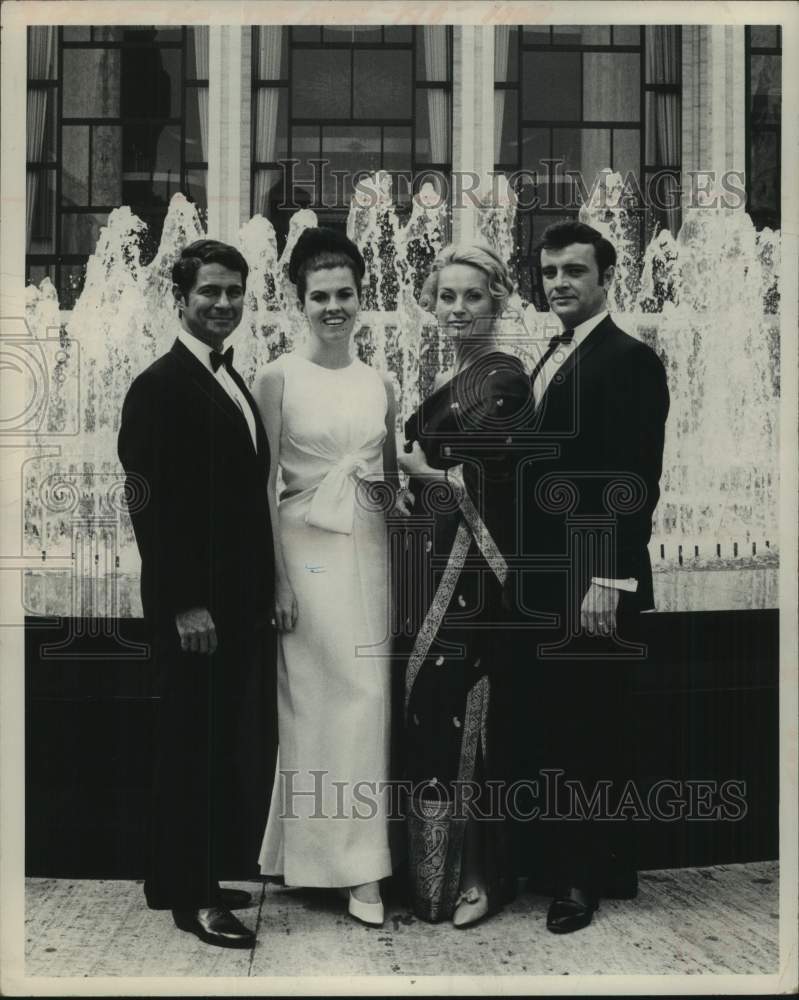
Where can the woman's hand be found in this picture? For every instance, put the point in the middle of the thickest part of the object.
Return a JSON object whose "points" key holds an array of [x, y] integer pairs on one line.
{"points": [[285, 614], [414, 462], [403, 504]]}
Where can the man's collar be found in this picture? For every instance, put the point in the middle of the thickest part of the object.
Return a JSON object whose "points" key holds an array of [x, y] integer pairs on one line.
{"points": [[582, 330], [198, 348]]}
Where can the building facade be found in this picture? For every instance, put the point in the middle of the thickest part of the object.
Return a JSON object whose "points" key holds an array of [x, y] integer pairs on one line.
{"points": [[269, 119]]}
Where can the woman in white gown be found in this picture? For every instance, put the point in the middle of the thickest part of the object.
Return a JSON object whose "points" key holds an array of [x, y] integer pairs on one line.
{"points": [[330, 422]]}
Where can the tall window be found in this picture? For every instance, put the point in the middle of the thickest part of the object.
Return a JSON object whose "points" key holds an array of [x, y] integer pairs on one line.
{"points": [[41, 151], [572, 100], [763, 108], [116, 115], [341, 100]]}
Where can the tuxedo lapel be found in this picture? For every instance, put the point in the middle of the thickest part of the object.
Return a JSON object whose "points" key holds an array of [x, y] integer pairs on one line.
{"points": [[208, 385], [578, 356], [260, 433]]}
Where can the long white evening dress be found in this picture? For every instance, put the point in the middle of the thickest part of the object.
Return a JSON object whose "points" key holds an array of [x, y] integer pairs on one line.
{"points": [[330, 828]]}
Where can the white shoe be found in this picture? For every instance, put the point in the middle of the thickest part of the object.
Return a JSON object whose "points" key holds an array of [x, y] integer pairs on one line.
{"points": [[368, 913], [471, 906]]}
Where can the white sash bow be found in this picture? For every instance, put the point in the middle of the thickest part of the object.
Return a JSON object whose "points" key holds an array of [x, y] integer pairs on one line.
{"points": [[333, 504]]}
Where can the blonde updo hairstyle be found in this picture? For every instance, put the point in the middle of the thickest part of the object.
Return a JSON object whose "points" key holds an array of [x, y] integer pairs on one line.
{"points": [[478, 255]]}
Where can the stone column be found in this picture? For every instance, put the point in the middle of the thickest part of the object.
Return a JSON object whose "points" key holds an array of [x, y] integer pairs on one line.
{"points": [[473, 125], [228, 130], [245, 124], [12, 169], [15, 449], [714, 101]]}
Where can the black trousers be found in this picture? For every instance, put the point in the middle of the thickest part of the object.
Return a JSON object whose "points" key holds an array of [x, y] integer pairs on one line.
{"points": [[573, 762], [214, 768]]}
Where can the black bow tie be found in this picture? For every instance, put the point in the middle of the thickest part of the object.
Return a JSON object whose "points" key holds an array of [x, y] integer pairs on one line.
{"points": [[218, 359], [560, 338]]}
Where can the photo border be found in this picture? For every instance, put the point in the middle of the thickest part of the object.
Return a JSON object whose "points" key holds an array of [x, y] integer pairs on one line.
{"points": [[16, 16]]}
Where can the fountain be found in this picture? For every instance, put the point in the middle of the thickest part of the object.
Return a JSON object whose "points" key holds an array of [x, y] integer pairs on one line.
{"points": [[705, 299], [707, 302]]}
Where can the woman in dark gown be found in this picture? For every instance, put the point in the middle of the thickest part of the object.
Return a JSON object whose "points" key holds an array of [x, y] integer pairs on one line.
{"points": [[461, 459]]}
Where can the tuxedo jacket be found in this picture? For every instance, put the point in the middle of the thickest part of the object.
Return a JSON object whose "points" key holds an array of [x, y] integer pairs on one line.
{"points": [[596, 451], [202, 525]]}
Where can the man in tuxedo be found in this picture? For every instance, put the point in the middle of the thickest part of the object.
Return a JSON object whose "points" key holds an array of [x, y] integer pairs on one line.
{"points": [[587, 489], [191, 439]]}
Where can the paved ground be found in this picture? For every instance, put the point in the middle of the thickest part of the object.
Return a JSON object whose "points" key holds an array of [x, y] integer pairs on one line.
{"points": [[700, 920]]}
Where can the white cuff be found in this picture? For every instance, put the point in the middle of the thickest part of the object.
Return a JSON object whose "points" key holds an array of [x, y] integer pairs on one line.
{"points": [[630, 584]]}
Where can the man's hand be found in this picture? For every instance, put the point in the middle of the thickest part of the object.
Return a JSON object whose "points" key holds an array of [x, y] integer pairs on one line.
{"points": [[598, 610], [196, 630]]}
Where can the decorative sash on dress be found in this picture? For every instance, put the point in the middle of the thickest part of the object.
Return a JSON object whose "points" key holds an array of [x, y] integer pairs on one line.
{"points": [[333, 504], [436, 829], [472, 526]]}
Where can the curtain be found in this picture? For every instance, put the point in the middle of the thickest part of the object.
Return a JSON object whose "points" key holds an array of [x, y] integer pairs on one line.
{"points": [[41, 45], [663, 109], [663, 126], [201, 60], [666, 138], [662, 55], [435, 65], [501, 44], [270, 49], [668, 129]]}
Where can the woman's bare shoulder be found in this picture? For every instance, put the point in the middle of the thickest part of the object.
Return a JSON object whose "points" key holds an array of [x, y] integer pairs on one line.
{"points": [[270, 378]]}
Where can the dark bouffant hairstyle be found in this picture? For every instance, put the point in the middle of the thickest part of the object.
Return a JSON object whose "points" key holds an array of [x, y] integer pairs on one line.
{"points": [[563, 234], [319, 249], [192, 258]]}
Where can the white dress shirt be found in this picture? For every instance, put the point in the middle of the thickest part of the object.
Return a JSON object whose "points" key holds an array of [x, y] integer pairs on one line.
{"points": [[564, 351], [542, 380], [202, 352]]}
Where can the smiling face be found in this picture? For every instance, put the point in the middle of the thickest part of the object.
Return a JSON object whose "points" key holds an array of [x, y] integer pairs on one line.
{"points": [[464, 305], [572, 283], [331, 303], [212, 309]]}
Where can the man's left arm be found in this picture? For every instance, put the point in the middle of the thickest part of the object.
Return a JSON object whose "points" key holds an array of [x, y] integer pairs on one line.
{"points": [[634, 418]]}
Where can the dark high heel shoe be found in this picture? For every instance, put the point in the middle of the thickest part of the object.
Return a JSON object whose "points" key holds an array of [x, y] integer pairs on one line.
{"points": [[571, 912]]}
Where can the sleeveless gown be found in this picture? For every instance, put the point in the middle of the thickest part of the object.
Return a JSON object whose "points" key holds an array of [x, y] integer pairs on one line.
{"points": [[328, 823]]}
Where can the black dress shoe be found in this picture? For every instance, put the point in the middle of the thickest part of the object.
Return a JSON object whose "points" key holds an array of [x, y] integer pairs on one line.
{"points": [[234, 899], [215, 926], [571, 912]]}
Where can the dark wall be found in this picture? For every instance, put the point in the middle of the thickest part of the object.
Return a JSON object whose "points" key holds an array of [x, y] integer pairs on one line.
{"points": [[706, 709]]}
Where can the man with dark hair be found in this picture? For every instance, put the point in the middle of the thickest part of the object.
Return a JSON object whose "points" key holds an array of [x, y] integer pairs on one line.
{"points": [[202, 252], [588, 488], [560, 235], [190, 429]]}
